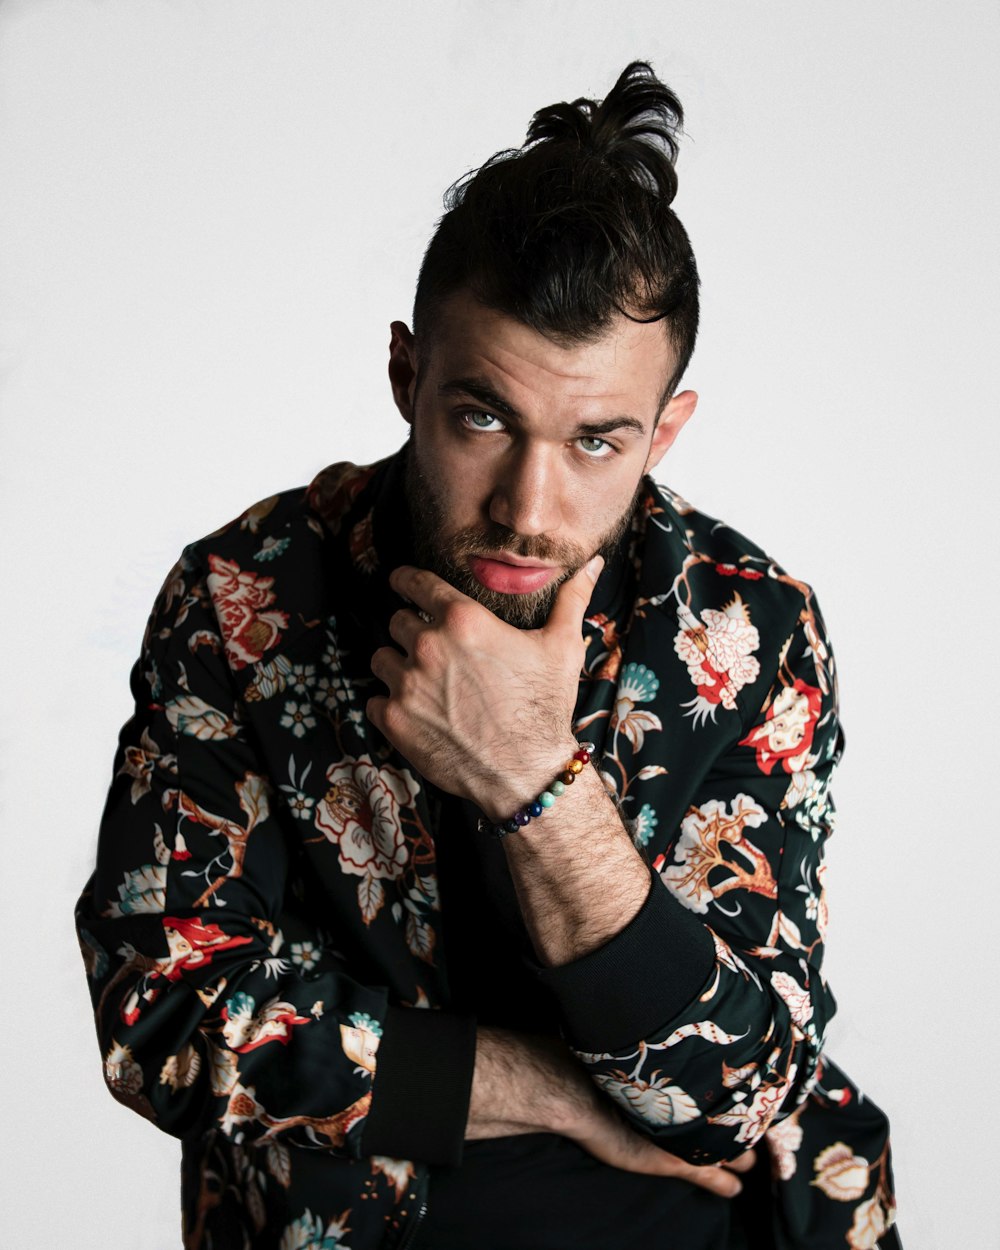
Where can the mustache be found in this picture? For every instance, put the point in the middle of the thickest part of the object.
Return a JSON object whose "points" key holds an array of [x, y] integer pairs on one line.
{"points": [[497, 539]]}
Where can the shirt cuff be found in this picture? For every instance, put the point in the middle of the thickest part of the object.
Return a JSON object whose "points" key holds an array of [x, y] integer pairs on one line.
{"points": [[638, 980], [422, 1086]]}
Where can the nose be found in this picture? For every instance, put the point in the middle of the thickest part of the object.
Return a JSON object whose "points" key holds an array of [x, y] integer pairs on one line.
{"points": [[527, 497]]}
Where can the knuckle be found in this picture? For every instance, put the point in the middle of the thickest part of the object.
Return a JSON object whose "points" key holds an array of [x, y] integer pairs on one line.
{"points": [[407, 686], [425, 646], [460, 618]]}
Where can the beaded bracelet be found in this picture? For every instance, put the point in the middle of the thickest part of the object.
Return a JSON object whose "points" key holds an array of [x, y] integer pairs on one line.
{"points": [[547, 797]]}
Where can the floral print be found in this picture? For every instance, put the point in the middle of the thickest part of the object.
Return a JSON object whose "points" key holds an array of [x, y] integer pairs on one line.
{"points": [[360, 814], [241, 600], [139, 763], [304, 955], [297, 718], [708, 833], [840, 1173], [637, 685], [266, 884], [718, 651], [787, 733]]}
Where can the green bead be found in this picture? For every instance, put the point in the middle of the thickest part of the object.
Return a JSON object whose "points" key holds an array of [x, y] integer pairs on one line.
{"points": [[557, 788], [546, 799]]}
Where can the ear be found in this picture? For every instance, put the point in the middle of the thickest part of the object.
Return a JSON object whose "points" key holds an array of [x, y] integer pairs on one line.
{"points": [[675, 413], [402, 368]]}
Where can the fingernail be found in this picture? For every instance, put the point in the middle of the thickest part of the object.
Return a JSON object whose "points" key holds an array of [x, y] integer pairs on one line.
{"points": [[594, 567], [734, 1187]]}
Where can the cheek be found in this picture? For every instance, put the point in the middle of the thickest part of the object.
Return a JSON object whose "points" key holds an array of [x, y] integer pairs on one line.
{"points": [[598, 499], [461, 485]]}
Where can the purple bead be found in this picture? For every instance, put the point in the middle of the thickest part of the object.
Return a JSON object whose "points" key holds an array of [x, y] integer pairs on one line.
{"points": [[522, 816]]}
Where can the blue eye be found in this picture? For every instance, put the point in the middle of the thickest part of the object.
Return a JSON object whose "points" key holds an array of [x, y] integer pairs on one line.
{"points": [[480, 420], [596, 448]]}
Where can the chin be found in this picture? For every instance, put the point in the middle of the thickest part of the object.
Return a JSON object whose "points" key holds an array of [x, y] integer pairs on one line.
{"points": [[529, 611]]}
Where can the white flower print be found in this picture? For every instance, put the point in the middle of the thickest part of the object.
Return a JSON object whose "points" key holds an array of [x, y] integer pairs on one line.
{"points": [[299, 803], [298, 718], [304, 955], [301, 678]]}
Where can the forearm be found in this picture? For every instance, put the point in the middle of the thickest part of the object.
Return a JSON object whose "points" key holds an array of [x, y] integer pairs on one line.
{"points": [[524, 1083], [578, 877]]}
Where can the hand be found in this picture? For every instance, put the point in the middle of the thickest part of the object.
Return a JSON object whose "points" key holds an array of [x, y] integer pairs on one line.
{"points": [[603, 1133], [530, 1083], [480, 708]]}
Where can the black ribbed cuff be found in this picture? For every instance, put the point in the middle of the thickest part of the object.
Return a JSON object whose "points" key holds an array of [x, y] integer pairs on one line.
{"points": [[638, 980], [422, 1086]]}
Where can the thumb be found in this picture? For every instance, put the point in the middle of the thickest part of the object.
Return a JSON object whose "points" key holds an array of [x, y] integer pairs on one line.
{"points": [[574, 595]]}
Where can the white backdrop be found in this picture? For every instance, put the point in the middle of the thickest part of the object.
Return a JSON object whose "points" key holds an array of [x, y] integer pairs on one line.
{"points": [[210, 213]]}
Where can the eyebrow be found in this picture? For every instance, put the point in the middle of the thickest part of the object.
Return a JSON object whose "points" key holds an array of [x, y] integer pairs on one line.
{"points": [[480, 390]]}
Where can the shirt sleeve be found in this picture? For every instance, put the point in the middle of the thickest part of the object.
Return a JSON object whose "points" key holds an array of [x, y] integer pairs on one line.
{"points": [[707, 1078], [218, 1001]]}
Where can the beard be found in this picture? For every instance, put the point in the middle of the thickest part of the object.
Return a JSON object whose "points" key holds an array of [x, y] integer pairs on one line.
{"points": [[447, 555]]}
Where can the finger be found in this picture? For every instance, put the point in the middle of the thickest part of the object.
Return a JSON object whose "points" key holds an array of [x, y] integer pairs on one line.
{"points": [[404, 626], [424, 588], [387, 665], [624, 1148], [574, 595], [715, 1179], [743, 1163], [375, 711]]}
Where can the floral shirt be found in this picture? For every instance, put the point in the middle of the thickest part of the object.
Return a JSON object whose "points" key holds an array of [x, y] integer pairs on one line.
{"points": [[262, 929]]}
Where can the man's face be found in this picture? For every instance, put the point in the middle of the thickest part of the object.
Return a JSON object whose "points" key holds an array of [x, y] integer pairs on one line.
{"points": [[526, 457]]}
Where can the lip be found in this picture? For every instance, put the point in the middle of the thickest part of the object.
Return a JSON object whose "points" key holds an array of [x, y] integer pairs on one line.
{"points": [[511, 576]]}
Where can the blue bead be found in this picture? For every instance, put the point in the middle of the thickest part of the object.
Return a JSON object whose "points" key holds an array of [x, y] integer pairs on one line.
{"points": [[535, 809], [546, 799]]}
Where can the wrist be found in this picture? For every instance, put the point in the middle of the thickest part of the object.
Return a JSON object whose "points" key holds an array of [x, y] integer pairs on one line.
{"points": [[516, 799]]}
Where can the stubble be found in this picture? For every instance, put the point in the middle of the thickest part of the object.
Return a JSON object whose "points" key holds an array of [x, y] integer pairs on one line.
{"points": [[447, 556]]}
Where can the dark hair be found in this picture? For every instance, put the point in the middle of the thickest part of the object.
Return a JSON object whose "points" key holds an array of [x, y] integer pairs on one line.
{"points": [[576, 225]]}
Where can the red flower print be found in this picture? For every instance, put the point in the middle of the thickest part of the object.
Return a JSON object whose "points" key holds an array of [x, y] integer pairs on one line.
{"points": [[192, 943], [718, 651], [787, 734], [240, 601]]}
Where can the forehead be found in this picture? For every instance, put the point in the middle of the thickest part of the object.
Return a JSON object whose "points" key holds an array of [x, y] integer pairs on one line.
{"points": [[627, 366]]}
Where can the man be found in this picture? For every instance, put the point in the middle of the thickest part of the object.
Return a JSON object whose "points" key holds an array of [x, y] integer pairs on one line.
{"points": [[461, 881]]}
